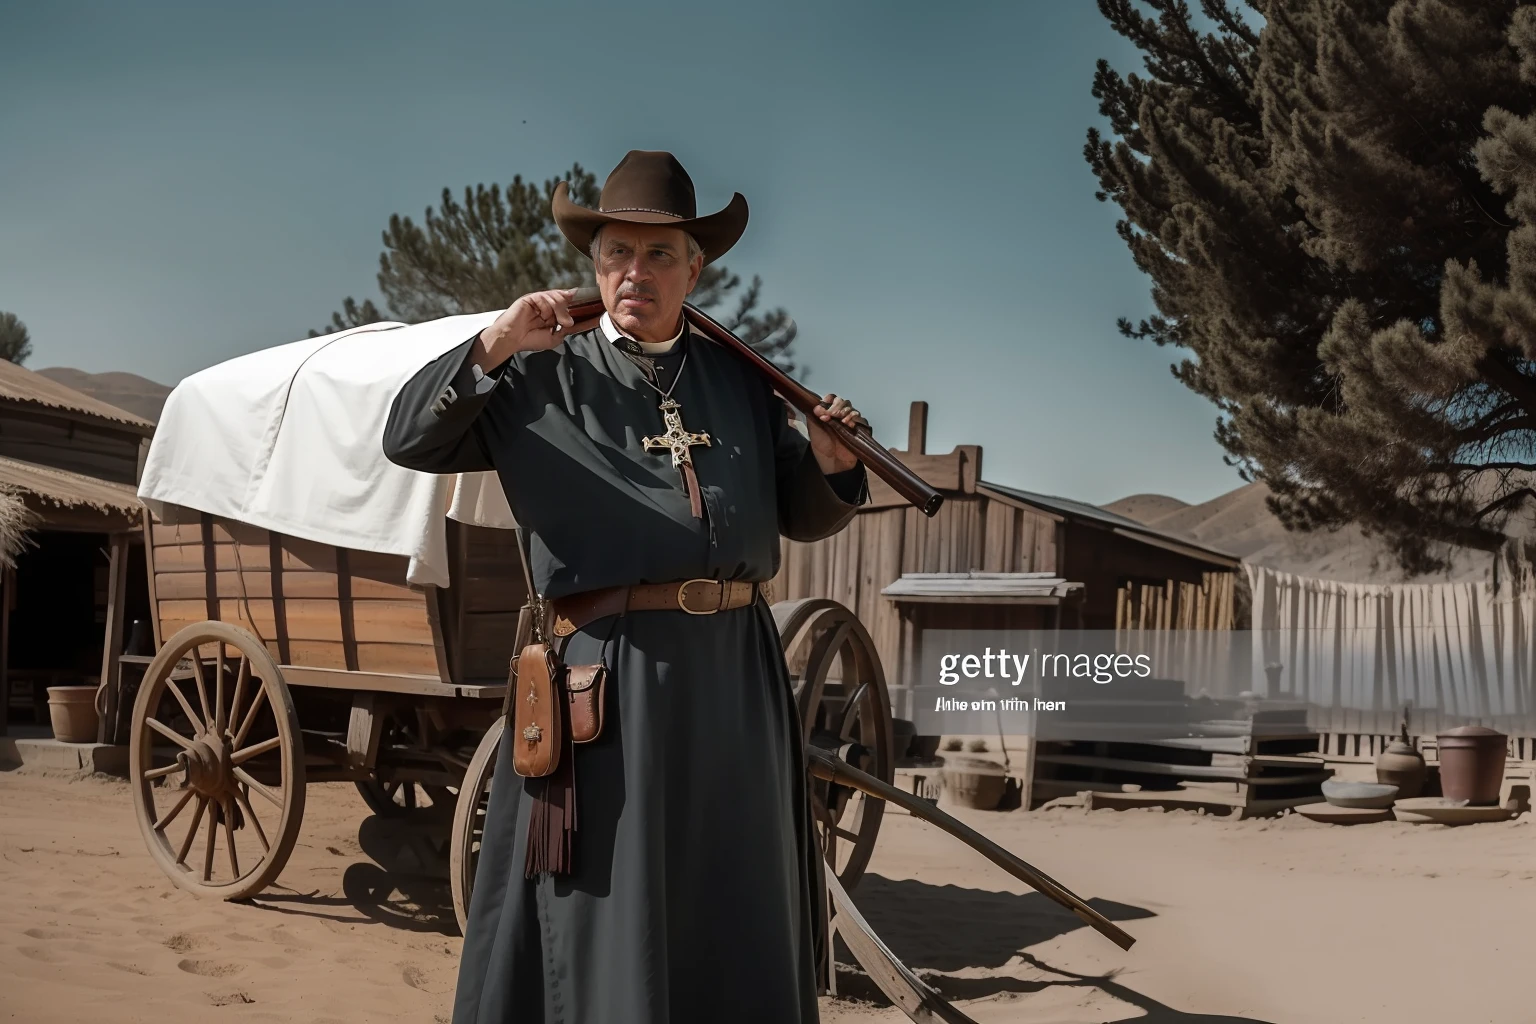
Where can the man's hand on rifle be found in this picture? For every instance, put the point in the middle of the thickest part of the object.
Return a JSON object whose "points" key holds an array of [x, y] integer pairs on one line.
{"points": [[536, 321], [831, 456]]}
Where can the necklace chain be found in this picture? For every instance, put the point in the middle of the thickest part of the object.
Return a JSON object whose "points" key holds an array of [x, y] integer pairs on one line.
{"points": [[667, 394]]}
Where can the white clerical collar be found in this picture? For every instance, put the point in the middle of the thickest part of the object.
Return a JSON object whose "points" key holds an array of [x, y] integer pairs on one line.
{"points": [[651, 348]]}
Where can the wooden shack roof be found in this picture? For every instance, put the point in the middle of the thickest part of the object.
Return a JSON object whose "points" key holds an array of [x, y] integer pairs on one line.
{"points": [[64, 489], [981, 588], [21, 385], [1082, 512]]}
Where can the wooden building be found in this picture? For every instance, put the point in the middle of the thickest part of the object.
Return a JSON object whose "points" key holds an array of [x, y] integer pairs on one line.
{"points": [[78, 580], [1126, 575]]}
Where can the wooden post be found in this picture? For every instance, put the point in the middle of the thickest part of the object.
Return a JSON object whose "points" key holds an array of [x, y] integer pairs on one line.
{"points": [[365, 726], [917, 429], [7, 588], [112, 647]]}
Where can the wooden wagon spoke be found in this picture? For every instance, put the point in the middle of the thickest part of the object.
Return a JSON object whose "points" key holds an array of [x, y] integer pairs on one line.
{"points": [[272, 795], [250, 815], [241, 674], [213, 835], [202, 688], [170, 815], [160, 773], [250, 718], [186, 844], [255, 750], [186, 708], [229, 836], [850, 714], [169, 733], [218, 691]]}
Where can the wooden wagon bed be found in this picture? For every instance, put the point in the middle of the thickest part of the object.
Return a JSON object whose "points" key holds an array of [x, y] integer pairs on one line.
{"points": [[339, 617]]}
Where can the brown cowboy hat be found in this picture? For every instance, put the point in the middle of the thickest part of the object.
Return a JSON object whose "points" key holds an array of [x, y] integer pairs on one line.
{"points": [[650, 187]]}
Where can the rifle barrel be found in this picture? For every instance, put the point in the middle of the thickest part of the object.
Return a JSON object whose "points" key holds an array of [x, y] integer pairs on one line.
{"points": [[588, 303]]}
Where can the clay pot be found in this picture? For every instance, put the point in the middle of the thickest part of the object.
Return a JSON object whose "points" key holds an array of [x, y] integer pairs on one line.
{"points": [[1472, 764], [1402, 766], [974, 783], [73, 712]]}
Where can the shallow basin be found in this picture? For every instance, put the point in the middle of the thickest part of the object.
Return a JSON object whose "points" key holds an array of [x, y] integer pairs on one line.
{"points": [[1341, 793]]}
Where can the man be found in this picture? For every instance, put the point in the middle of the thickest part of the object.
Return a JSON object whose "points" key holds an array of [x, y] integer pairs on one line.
{"points": [[638, 456]]}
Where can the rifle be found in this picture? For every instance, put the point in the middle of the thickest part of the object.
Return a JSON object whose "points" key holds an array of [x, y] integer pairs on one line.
{"points": [[588, 303]]}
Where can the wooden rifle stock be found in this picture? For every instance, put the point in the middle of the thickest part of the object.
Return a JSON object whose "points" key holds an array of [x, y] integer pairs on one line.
{"points": [[588, 303]]}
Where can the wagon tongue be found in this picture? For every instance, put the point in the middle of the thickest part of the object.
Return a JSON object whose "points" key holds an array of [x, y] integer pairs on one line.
{"points": [[825, 764]]}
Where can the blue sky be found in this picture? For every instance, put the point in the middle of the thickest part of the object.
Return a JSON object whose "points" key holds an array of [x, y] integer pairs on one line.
{"points": [[184, 182]]}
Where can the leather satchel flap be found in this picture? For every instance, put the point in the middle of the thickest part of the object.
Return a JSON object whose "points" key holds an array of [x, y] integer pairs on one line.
{"points": [[582, 677]]}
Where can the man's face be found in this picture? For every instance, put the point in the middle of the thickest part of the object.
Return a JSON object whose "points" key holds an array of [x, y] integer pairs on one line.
{"points": [[644, 273]]}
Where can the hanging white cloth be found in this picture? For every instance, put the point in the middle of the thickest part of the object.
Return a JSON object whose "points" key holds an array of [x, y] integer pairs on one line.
{"points": [[291, 439]]}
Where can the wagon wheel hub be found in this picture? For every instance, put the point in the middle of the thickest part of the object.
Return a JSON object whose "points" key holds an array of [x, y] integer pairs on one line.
{"points": [[208, 766]]}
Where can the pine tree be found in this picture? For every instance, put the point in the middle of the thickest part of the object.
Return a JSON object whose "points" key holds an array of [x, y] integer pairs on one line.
{"points": [[481, 253], [1336, 203], [15, 342]]}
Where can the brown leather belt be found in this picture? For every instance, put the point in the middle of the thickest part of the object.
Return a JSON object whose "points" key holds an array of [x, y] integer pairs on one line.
{"points": [[696, 597]]}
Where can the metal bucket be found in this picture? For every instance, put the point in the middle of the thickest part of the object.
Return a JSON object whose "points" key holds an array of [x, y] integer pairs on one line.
{"points": [[1472, 764]]}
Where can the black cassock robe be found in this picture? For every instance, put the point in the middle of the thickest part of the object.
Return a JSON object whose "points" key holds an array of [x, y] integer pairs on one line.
{"points": [[693, 894]]}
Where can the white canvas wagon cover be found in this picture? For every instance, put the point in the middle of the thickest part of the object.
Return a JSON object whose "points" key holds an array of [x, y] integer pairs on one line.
{"points": [[290, 439]]}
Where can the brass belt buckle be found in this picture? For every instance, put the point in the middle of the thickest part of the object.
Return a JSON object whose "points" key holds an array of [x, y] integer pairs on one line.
{"points": [[683, 590]]}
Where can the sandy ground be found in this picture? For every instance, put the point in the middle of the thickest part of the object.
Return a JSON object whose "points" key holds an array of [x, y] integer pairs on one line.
{"points": [[1281, 921]]}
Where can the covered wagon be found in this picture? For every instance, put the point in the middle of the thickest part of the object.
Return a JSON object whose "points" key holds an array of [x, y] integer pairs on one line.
{"points": [[322, 614]]}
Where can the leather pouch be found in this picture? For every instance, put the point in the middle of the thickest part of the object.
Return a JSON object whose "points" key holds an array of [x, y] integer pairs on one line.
{"points": [[534, 690], [585, 690]]}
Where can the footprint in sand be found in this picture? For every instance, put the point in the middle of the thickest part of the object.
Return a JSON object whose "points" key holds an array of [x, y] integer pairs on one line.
{"points": [[48, 933], [181, 942], [230, 999], [40, 953], [414, 976], [129, 968], [210, 968]]}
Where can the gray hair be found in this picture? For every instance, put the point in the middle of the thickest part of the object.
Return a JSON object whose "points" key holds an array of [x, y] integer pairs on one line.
{"points": [[693, 246]]}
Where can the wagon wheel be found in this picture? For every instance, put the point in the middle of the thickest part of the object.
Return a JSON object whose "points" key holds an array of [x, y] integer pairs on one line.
{"points": [[215, 736], [847, 711], [469, 819]]}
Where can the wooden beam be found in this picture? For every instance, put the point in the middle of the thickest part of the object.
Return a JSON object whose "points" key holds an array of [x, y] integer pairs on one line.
{"points": [[348, 611], [210, 569], [279, 606], [78, 519], [112, 644], [917, 429], [148, 528]]}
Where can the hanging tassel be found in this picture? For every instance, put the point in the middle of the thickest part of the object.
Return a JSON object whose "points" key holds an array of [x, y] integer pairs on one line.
{"points": [[552, 820]]}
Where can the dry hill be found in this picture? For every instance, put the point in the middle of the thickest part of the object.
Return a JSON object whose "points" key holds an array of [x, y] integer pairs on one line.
{"points": [[1240, 522], [138, 395]]}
